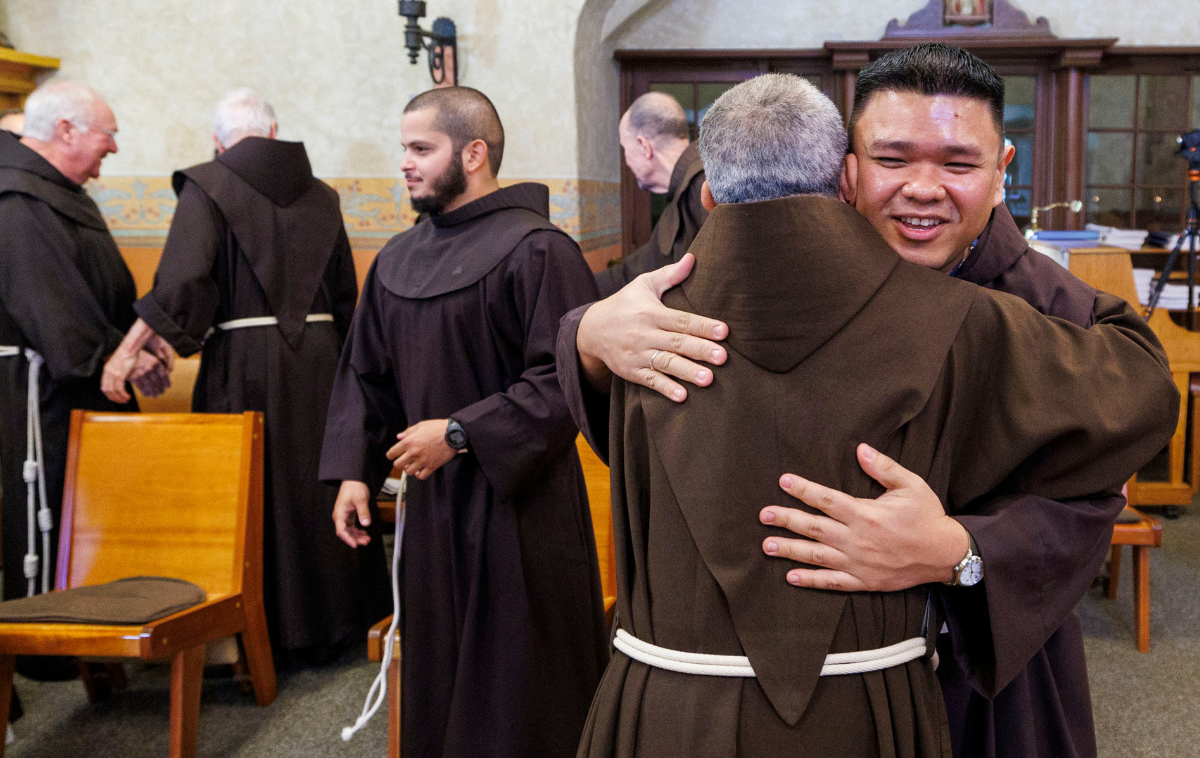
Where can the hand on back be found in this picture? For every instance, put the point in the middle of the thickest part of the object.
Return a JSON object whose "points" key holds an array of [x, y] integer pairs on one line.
{"points": [[899, 540]]}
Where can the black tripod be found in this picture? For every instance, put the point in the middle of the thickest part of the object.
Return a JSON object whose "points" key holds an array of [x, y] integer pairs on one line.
{"points": [[1191, 233]]}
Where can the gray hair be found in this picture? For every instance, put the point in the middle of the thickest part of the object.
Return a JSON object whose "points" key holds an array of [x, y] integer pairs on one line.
{"points": [[772, 136], [242, 113], [657, 114], [59, 100]]}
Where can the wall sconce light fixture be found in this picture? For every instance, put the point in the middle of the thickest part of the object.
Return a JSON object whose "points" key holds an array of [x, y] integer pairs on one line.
{"points": [[442, 45]]}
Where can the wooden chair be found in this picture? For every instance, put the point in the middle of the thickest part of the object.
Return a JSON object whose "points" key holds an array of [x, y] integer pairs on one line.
{"points": [[595, 475], [1142, 535], [176, 495]]}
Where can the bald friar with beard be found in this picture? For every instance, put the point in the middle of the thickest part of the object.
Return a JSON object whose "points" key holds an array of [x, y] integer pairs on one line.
{"points": [[448, 372]]}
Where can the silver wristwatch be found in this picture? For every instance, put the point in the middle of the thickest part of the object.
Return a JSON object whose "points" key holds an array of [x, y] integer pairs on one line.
{"points": [[969, 570]]}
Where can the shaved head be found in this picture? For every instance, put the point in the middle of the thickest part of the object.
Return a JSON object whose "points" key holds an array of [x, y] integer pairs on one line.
{"points": [[655, 115], [464, 115]]}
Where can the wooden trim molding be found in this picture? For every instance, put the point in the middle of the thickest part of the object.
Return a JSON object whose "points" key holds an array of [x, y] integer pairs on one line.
{"points": [[990, 19]]}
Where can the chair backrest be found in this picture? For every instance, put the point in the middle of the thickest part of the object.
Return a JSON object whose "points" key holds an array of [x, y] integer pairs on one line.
{"points": [[1111, 270], [595, 476], [177, 495]]}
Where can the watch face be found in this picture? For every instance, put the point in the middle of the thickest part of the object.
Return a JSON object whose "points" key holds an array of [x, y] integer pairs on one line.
{"points": [[972, 573], [457, 438]]}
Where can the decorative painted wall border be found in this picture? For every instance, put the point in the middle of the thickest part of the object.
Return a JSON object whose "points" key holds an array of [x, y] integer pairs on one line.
{"points": [[142, 207]]}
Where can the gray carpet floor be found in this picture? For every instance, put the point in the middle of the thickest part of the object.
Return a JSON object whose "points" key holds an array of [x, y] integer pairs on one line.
{"points": [[1145, 705]]}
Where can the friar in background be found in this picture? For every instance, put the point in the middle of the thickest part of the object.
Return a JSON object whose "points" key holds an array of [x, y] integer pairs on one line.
{"points": [[654, 139], [449, 373], [257, 276], [834, 340], [12, 120], [65, 294]]}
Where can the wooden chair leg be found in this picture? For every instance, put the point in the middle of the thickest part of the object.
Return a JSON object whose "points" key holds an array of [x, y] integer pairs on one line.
{"points": [[257, 645], [187, 674], [7, 663], [393, 722], [1114, 572], [1141, 596], [100, 679]]}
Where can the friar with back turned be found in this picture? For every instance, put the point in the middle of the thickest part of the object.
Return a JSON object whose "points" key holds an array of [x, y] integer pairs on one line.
{"points": [[257, 276], [449, 373]]}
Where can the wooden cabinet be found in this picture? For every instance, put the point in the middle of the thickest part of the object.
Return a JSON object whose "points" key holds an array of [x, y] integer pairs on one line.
{"points": [[18, 75]]}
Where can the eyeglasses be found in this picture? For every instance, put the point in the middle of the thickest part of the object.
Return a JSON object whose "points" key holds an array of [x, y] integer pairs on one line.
{"points": [[85, 128]]}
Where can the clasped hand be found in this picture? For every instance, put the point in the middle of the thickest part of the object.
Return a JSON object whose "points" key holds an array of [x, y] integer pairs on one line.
{"points": [[149, 370]]}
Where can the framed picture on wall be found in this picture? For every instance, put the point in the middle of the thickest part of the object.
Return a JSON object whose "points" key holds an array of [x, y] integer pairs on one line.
{"points": [[966, 12]]}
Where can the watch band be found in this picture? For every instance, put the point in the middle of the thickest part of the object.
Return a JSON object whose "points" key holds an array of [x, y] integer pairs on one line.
{"points": [[971, 559], [456, 436]]}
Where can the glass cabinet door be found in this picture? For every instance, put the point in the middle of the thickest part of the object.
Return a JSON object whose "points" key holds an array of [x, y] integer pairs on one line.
{"points": [[1020, 111], [1136, 177]]}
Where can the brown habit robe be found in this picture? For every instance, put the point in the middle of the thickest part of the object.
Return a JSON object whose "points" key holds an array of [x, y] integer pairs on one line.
{"points": [[66, 292], [255, 234], [503, 623], [674, 232], [1018, 634], [833, 341]]}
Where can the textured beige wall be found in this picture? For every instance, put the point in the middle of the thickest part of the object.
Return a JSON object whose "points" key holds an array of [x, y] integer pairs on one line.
{"points": [[810, 23], [334, 70], [339, 78]]}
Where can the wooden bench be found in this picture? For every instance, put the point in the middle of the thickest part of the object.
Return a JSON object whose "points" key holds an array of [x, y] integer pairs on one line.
{"points": [[595, 475], [175, 495], [1141, 535]]}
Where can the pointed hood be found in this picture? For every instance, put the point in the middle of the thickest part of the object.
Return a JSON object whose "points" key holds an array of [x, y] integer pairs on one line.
{"points": [[788, 276], [782, 307], [278, 170]]}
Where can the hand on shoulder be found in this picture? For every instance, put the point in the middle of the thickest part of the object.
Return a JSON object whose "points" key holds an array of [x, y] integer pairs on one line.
{"points": [[633, 335]]}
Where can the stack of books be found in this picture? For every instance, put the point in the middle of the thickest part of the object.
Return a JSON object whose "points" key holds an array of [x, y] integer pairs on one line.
{"points": [[1057, 245], [1130, 239], [1174, 296]]}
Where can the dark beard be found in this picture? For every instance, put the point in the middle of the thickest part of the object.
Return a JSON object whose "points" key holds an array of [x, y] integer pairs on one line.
{"points": [[450, 184]]}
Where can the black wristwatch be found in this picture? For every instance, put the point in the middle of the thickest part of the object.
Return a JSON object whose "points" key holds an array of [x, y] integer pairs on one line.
{"points": [[456, 436]]}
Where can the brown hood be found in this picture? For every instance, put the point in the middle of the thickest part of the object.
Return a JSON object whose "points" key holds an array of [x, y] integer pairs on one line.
{"points": [[449, 251], [286, 222], [782, 284]]}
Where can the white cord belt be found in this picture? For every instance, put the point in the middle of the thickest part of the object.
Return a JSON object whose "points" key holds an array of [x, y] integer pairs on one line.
{"points": [[858, 662], [247, 323], [254, 321], [39, 517], [378, 691]]}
